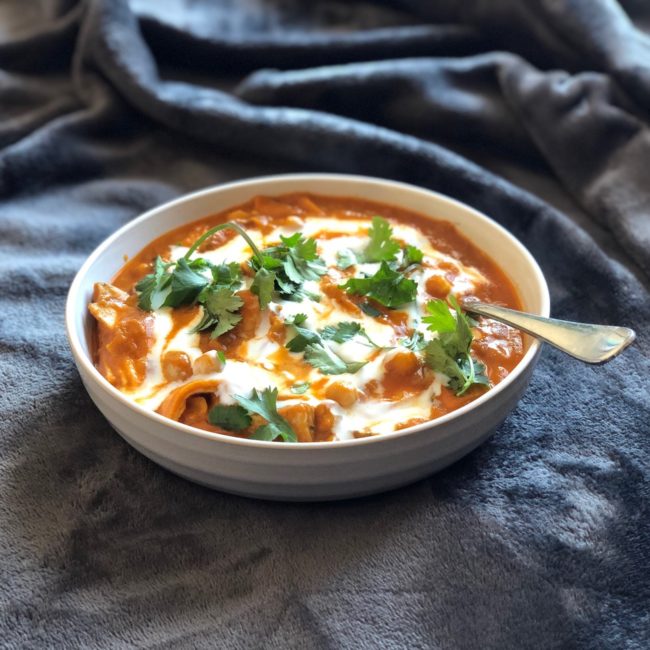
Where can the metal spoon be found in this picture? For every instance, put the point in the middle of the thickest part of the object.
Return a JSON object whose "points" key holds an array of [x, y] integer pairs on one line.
{"points": [[590, 343]]}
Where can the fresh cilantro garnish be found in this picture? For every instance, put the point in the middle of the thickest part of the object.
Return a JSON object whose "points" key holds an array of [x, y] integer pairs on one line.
{"points": [[345, 331], [171, 288], [265, 404], [411, 255], [300, 388], [290, 264], [187, 282], [341, 332], [318, 353], [220, 307], [229, 417], [303, 338], [381, 247], [264, 279], [415, 342], [345, 258], [369, 309], [450, 352], [298, 319], [329, 363], [263, 285], [387, 287], [221, 356], [153, 288], [440, 319], [227, 275]]}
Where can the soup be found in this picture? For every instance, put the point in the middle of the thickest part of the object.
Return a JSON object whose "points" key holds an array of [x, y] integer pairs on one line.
{"points": [[305, 318]]}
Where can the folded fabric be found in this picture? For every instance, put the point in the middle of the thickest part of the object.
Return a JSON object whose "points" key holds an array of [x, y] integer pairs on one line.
{"points": [[536, 113]]}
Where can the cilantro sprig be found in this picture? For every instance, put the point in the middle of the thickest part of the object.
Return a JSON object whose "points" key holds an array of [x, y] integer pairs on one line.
{"points": [[220, 310], [381, 248], [416, 342], [265, 404], [286, 267], [237, 417], [346, 331], [230, 417], [197, 281], [387, 286], [317, 352], [173, 284], [450, 352]]}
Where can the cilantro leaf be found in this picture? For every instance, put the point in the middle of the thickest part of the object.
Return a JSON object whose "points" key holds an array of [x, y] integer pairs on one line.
{"points": [[227, 275], [345, 258], [369, 309], [186, 282], [323, 359], [298, 319], [303, 338], [388, 287], [450, 352], [262, 287], [302, 261], [265, 404], [345, 331], [153, 288], [191, 281], [414, 342], [220, 307], [317, 352], [293, 262], [300, 388], [411, 255], [172, 284], [381, 247], [439, 317], [229, 417], [341, 332]]}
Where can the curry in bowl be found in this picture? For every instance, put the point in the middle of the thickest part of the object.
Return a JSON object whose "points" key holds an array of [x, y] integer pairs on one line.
{"points": [[305, 318]]}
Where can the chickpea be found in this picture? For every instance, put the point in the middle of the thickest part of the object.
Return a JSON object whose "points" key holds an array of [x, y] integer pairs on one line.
{"points": [[301, 419], [208, 362], [437, 286], [323, 421], [176, 366], [344, 394], [402, 363]]}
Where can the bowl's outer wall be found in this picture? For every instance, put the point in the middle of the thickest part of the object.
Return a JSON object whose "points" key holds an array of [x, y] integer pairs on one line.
{"points": [[335, 471]]}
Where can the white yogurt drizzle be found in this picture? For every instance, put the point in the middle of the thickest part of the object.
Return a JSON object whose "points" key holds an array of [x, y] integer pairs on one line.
{"points": [[257, 371]]}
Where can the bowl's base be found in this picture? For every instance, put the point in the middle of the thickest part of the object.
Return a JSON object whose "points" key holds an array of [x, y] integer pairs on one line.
{"points": [[305, 492]]}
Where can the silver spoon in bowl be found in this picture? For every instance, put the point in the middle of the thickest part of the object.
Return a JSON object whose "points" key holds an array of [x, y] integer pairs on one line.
{"points": [[590, 343]]}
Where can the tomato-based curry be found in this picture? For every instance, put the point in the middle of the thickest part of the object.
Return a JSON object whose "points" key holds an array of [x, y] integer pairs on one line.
{"points": [[306, 318]]}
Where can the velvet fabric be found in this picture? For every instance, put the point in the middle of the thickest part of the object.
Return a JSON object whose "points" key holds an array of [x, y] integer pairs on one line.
{"points": [[536, 113]]}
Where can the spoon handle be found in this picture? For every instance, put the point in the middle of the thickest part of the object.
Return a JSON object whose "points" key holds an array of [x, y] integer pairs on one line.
{"points": [[590, 343]]}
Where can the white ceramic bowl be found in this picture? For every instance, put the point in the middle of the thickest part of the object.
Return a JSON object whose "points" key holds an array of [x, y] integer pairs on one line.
{"points": [[294, 471]]}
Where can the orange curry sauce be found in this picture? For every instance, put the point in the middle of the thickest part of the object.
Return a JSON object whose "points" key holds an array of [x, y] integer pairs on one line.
{"points": [[125, 333]]}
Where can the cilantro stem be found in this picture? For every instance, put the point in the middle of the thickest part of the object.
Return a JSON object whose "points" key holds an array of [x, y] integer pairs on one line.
{"points": [[233, 226]]}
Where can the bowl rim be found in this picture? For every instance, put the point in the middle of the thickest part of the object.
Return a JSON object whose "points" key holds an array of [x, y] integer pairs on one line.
{"points": [[84, 362]]}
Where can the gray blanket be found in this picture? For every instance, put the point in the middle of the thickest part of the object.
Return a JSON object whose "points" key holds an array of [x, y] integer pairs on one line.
{"points": [[536, 112]]}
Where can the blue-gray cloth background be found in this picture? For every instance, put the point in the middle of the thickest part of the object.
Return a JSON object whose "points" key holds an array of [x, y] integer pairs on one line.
{"points": [[535, 112]]}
